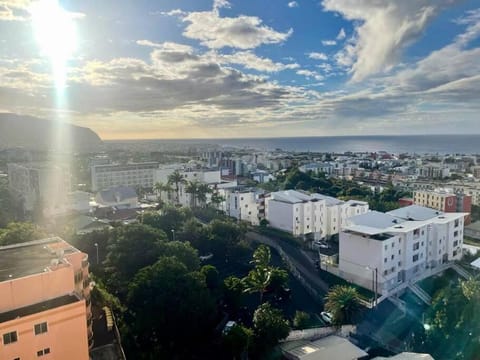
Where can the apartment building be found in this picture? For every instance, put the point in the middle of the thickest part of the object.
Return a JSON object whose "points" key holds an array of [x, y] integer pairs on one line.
{"points": [[34, 184], [300, 213], [246, 205], [134, 175], [396, 247], [445, 200], [45, 309]]}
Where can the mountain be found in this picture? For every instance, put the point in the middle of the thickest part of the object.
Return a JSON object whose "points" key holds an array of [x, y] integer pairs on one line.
{"points": [[40, 134]]}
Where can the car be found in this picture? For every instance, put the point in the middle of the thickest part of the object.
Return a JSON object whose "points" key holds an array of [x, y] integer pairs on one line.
{"points": [[228, 327], [327, 317]]}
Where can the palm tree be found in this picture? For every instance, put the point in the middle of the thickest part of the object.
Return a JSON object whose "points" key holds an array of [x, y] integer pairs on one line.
{"points": [[202, 191], [342, 301], [177, 179], [160, 187], [192, 188], [260, 277], [258, 280], [216, 199]]}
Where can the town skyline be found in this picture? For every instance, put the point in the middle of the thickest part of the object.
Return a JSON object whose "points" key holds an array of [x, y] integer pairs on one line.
{"points": [[229, 69]]}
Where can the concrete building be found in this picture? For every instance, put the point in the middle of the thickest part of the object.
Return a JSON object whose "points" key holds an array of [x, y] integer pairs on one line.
{"points": [[445, 200], [45, 307], [318, 168], [246, 205], [135, 175], [300, 213], [39, 184], [398, 246]]}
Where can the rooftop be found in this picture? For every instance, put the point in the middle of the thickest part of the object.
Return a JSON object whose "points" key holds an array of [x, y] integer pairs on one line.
{"points": [[415, 212], [31, 257], [330, 347], [39, 307]]}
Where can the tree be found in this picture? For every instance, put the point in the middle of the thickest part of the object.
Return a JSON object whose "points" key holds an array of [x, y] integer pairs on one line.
{"points": [[216, 199], [237, 341], [343, 302], [160, 187], [192, 189], [19, 232], [233, 290], [301, 320], [278, 279], [258, 280], [168, 308], [202, 191], [212, 277], [131, 248], [269, 327], [183, 251], [177, 179]]}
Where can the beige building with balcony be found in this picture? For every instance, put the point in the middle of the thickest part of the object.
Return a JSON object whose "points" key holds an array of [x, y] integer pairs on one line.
{"points": [[45, 307]]}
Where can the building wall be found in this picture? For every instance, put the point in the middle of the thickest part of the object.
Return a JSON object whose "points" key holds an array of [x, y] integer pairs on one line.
{"points": [[66, 335], [135, 175], [280, 215]]}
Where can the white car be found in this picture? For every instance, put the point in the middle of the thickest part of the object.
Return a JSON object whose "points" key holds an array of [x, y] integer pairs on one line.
{"points": [[327, 317]]}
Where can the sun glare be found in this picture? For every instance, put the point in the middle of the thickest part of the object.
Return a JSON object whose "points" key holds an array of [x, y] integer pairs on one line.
{"points": [[56, 35]]}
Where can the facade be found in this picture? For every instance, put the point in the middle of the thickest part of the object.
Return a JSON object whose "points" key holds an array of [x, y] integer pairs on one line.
{"points": [[43, 184], [444, 200], [300, 213], [399, 245], [135, 175], [246, 205], [45, 307]]}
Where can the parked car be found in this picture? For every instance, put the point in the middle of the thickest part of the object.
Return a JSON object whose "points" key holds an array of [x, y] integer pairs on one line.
{"points": [[327, 317], [228, 327]]}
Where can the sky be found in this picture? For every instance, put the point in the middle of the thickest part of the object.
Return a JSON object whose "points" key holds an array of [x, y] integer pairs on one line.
{"points": [[246, 68]]}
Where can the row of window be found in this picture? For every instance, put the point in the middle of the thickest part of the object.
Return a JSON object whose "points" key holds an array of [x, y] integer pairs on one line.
{"points": [[12, 336]]}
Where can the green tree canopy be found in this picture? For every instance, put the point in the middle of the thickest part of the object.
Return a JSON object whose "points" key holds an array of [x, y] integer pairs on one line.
{"points": [[269, 326], [19, 232], [343, 302]]}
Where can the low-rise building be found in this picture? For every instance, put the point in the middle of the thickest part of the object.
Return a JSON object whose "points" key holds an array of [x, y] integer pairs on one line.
{"points": [[120, 197], [134, 174], [300, 213], [45, 307], [445, 200], [396, 247]]}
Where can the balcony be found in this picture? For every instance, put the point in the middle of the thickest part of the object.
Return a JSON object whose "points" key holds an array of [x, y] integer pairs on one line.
{"points": [[85, 262]]}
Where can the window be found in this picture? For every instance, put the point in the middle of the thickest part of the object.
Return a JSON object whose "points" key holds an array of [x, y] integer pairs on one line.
{"points": [[385, 260], [393, 245], [385, 272], [457, 222], [399, 263], [416, 246], [43, 352], [399, 251], [41, 328], [455, 243], [10, 337], [386, 247], [455, 234], [393, 257], [422, 243], [415, 258], [416, 232]]}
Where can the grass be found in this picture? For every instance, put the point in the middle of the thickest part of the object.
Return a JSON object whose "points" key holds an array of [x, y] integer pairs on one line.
{"points": [[471, 241], [333, 280], [435, 283]]}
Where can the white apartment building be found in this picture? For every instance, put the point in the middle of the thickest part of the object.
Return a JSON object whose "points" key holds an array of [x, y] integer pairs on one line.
{"points": [[44, 184], [134, 175], [399, 245], [300, 213], [246, 205]]}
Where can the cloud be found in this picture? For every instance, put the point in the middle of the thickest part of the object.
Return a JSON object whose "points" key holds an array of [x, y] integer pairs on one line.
{"points": [[310, 74], [383, 30], [216, 32], [329, 42], [251, 61], [14, 10], [293, 4], [317, 56], [341, 34]]}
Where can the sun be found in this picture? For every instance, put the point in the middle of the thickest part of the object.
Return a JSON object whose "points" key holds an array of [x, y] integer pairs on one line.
{"points": [[56, 35]]}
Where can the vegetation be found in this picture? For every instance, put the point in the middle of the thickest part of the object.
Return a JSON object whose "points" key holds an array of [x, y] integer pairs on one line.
{"points": [[18, 232], [342, 302], [269, 327], [452, 324]]}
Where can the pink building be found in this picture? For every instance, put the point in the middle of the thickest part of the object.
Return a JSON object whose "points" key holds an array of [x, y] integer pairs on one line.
{"points": [[45, 309]]}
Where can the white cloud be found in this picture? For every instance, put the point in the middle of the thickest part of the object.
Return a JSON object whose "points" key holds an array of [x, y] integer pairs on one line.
{"points": [[216, 32], [251, 61], [14, 10], [310, 74], [329, 42], [383, 30], [341, 34], [317, 56], [293, 4]]}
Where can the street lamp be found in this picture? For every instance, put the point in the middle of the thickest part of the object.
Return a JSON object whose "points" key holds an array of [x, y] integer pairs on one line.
{"points": [[173, 234], [96, 246], [374, 284]]}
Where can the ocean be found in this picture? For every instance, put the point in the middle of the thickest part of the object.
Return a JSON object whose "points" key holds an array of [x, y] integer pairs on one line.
{"points": [[419, 144]]}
